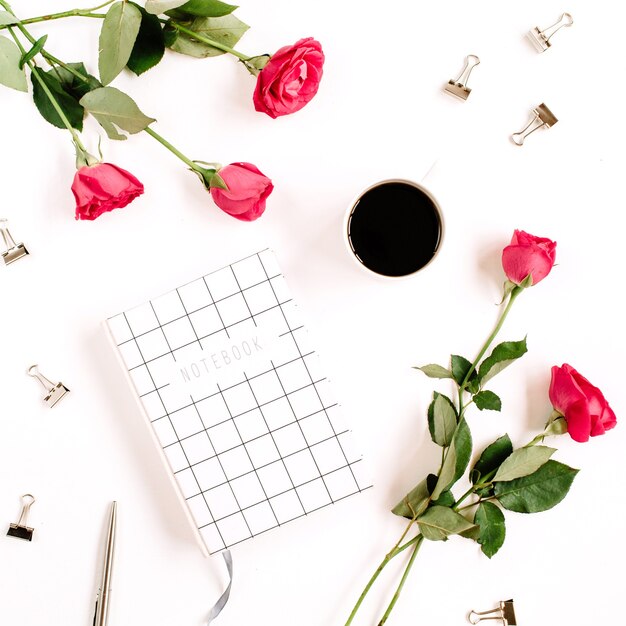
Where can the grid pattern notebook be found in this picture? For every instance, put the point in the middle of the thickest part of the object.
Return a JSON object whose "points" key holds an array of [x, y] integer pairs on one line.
{"points": [[228, 379]]}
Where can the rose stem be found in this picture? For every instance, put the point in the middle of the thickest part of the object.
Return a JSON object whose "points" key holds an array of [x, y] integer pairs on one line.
{"points": [[171, 148], [396, 595], [516, 291], [57, 16], [397, 550]]}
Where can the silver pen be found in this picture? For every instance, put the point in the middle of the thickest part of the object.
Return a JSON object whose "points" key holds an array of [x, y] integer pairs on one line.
{"points": [[101, 616]]}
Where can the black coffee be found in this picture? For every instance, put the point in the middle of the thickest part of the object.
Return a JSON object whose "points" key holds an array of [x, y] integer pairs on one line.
{"points": [[394, 229]]}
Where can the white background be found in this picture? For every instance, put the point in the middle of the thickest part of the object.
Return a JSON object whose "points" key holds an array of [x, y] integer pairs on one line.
{"points": [[380, 113]]}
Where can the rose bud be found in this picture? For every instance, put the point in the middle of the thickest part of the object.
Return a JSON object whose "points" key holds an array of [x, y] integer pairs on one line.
{"points": [[290, 79], [526, 256], [246, 193], [102, 187], [583, 406]]}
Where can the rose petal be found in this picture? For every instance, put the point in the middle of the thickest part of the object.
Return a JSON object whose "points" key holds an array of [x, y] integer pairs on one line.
{"points": [[578, 421], [564, 391]]}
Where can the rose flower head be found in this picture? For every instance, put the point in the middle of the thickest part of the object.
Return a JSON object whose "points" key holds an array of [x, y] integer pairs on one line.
{"points": [[241, 190], [290, 79], [102, 187], [526, 256], [583, 405]]}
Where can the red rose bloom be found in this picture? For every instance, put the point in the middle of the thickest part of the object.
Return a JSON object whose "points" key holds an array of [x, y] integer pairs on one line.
{"points": [[583, 406], [102, 187], [528, 255], [290, 79], [248, 189]]}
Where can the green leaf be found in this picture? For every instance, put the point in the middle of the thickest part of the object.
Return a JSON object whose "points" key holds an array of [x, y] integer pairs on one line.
{"points": [[209, 176], [7, 18], [446, 475], [254, 65], [502, 355], [73, 85], [442, 418], [457, 459], [507, 289], [149, 46], [537, 492], [170, 35], [11, 75], [68, 103], [473, 386], [440, 521], [557, 426], [114, 109], [463, 446], [460, 367], [34, 51], [207, 8], [490, 519], [527, 282], [473, 533], [435, 371], [117, 39], [156, 7], [414, 503], [445, 499], [227, 30], [523, 462], [431, 482], [492, 457], [485, 492], [67, 89], [488, 400]]}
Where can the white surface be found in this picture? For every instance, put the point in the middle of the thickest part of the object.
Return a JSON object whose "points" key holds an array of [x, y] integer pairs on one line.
{"points": [[380, 113]]}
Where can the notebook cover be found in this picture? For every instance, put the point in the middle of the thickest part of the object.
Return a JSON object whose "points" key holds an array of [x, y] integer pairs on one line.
{"points": [[232, 389]]}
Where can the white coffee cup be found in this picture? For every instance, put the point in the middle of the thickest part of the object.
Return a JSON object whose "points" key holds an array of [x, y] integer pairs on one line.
{"points": [[427, 211]]}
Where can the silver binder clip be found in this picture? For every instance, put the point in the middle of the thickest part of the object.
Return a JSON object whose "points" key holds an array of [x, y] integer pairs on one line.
{"points": [[505, 612], [55, 391], [14, 251], [542, 116], [541, 38], [458, 86], [20, 529]]}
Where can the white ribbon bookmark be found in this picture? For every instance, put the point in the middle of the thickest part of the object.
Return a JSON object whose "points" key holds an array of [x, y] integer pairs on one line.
{"points": [[221, 603]]}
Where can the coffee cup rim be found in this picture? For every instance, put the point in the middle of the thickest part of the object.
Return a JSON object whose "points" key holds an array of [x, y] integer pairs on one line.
{"points": [[352, 206]]}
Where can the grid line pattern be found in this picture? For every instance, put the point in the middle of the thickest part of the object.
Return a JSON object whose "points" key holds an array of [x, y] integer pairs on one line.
{"points": [[260, 443]]}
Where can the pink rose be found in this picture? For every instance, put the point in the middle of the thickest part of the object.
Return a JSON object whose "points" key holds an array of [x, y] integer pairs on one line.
{"points": [[528, 255], [101, 188], [290, 79], [584, 407], [247, 191]]}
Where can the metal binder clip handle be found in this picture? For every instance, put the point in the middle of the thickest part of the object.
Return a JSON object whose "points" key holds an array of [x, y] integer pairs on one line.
{"points": [[505, 613], [541, 38], [55, 391], [542, 116], [458, 86], [20, 530], [14, 251]]}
